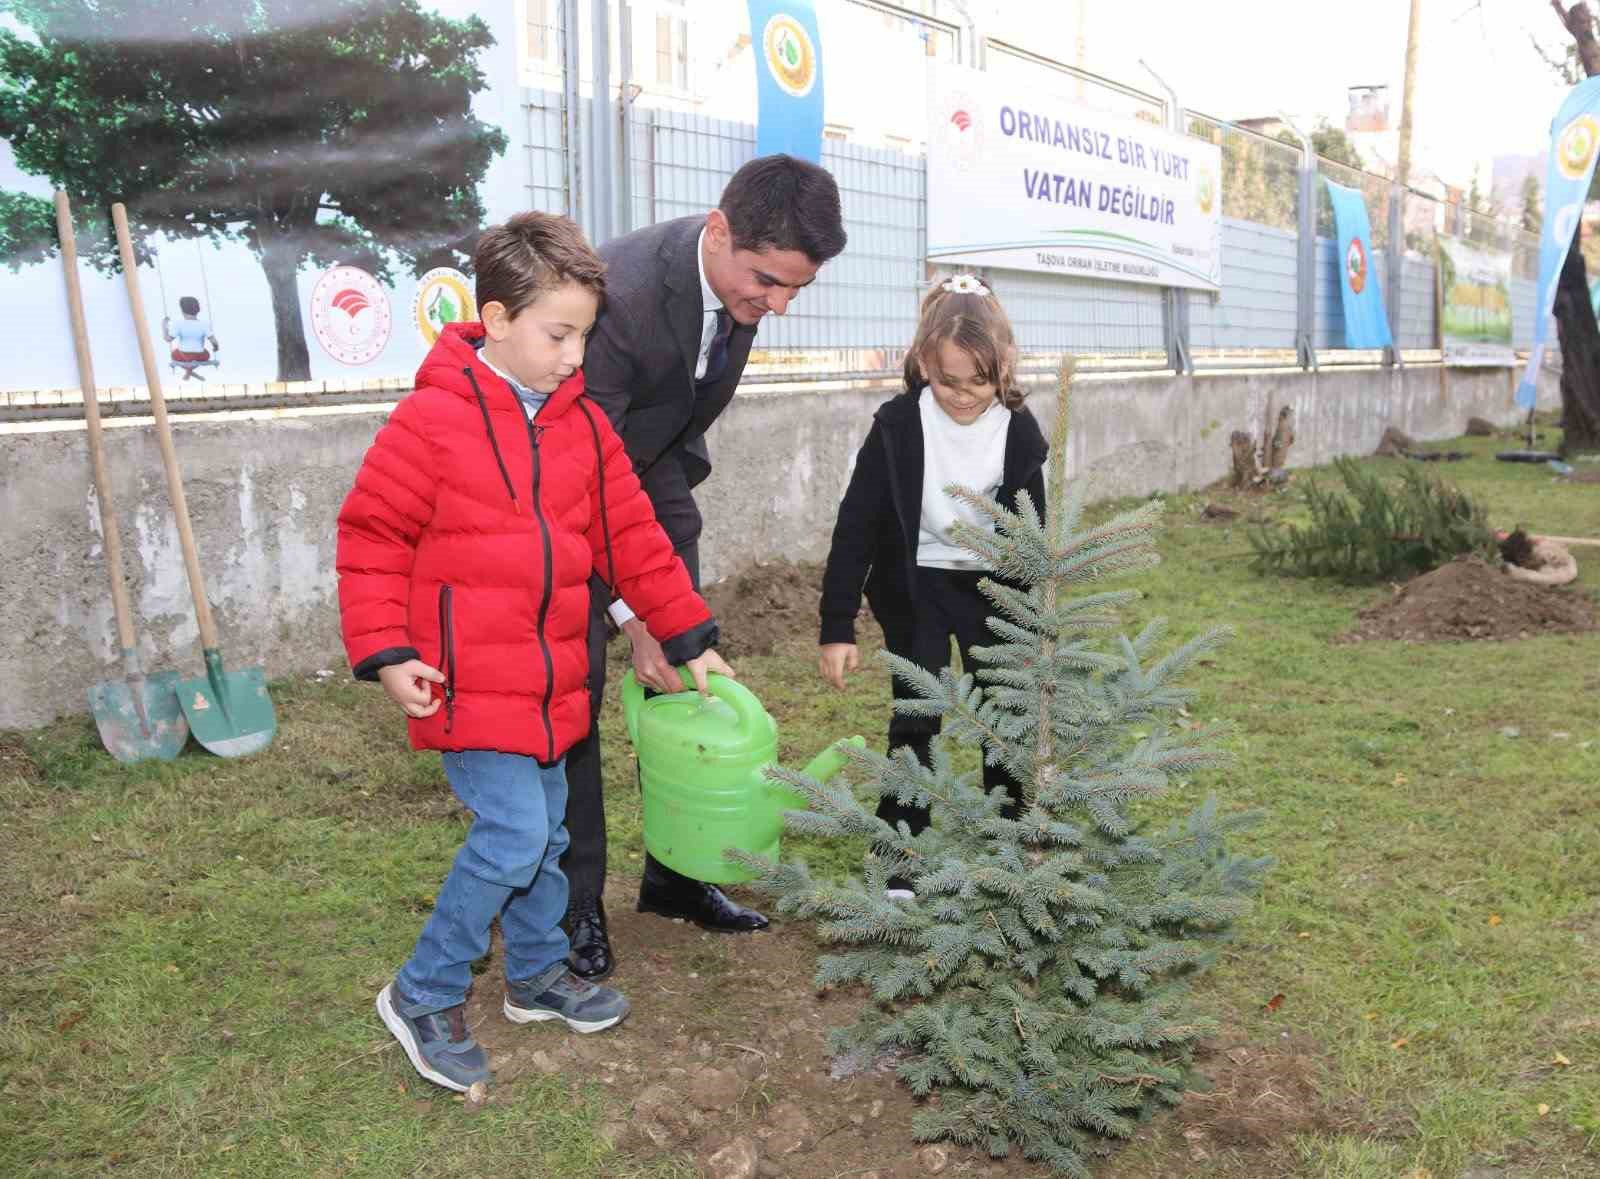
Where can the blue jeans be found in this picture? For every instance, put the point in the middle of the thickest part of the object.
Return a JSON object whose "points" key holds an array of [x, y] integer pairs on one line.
{"points": [[509, 867]]}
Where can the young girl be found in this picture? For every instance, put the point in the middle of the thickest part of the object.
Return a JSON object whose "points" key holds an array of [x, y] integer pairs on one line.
{"points": [[960, 420], [465, 550]]}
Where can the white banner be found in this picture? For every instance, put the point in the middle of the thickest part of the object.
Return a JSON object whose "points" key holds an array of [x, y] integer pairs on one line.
{"points": [[1033, 181]]}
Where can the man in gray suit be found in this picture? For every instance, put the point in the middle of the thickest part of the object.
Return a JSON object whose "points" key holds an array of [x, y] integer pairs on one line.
{"points": [[683, 300]]}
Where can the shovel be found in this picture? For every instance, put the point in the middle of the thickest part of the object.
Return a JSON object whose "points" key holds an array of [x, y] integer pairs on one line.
{"points": [[138, 716], [229, 712]]}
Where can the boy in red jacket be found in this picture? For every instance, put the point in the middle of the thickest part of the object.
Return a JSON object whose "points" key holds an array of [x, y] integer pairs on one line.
{"points": [[465, 551]]}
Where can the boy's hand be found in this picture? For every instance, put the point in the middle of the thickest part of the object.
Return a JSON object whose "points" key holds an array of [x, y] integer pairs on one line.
{"points": [[650, 666], [702, 664], [407, 685], [834, 659]]}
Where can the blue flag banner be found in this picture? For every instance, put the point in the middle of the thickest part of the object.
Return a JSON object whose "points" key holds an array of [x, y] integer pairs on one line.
{"points": [[1365, 324], [788, 78], [1573, 138]]}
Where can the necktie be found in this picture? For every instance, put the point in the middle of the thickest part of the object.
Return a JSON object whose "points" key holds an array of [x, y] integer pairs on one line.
{"points": [[717, 353]]}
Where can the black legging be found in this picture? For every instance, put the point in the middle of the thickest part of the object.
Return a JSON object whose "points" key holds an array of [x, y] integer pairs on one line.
{"points": [[946, 602]]}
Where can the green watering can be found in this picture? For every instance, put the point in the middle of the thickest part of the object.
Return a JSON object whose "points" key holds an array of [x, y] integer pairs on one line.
{"points": [[702, 766]]}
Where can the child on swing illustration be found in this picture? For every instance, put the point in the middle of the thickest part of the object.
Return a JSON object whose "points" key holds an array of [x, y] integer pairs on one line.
{"points": [[189, 339]]}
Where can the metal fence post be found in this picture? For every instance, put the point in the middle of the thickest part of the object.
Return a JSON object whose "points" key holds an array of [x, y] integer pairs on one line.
{"points": [[1305, 290], [569, 105], [625, 87], [600, 127], [1175, 300], [1397, 263]]}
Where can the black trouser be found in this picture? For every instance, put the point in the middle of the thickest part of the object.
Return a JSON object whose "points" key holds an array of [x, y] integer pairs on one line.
{"points": [[585, 861], [945, 603]]}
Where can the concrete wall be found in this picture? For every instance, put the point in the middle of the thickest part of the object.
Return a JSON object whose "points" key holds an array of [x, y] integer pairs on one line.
{"points": [[264, 488]]}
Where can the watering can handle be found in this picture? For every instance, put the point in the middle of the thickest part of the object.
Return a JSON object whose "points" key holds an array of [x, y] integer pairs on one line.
{"points": [[746, 708]]}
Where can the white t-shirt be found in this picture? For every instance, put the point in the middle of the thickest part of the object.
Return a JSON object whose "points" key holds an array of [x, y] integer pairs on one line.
{"points": [[972, 456], [190, 334]]}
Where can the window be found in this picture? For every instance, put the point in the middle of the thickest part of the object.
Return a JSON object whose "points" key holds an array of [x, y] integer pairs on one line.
{"points": [[540, 32], [672, 51]]}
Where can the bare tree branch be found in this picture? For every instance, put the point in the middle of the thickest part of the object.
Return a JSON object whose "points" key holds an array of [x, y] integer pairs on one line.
{"points": [[1566, 66]]}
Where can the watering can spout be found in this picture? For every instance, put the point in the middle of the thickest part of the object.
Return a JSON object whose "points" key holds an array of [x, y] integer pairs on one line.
{"points": [[831, 760]]}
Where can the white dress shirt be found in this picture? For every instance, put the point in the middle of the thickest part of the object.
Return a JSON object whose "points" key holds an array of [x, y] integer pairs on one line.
{"points": [[710, 305]]}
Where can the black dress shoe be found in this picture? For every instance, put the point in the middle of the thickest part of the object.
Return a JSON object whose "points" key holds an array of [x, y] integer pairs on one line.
{"points": [[672, 894], [591, 956]]}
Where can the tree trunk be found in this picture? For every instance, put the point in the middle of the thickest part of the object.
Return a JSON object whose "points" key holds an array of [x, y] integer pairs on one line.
{"points": [[1282, 439], [1580, 23], [1575, 319], [1245, 472], [281, 261], [1580, 356]]}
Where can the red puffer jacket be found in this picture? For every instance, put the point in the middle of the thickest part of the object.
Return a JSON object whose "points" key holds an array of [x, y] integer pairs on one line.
{"points": [[468, 541]]}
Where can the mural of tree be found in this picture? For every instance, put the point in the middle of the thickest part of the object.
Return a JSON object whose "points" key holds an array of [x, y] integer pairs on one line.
{"points": [[315, 131]]}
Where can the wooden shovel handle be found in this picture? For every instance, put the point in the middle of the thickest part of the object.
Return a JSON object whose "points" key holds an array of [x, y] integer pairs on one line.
{"points": [[1569, 540], [158, 407], [91, 410]]}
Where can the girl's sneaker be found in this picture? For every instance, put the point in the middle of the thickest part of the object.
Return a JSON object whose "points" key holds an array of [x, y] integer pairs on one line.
{"points": [[438, 1043], [559, 994]]}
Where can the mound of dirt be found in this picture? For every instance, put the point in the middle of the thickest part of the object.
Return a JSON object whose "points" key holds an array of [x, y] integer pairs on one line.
{"points": [[765, 604], [1470, 599]]}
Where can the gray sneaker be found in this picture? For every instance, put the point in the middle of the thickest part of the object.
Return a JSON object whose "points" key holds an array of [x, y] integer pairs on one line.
{"points": [[560, 994], [438, 1043]]}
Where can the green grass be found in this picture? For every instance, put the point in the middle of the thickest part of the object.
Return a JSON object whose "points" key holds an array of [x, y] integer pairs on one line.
{"points": [[188, 952]]}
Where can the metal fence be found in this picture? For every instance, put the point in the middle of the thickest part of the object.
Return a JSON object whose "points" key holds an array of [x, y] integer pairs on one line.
{"points": [[1279, 300]]}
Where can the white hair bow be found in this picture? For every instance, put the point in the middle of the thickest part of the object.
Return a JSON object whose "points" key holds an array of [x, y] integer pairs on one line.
{"points": [[965, 284]]}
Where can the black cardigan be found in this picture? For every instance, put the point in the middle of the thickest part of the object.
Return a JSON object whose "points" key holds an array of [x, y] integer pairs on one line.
{"points": [[875, 538]]}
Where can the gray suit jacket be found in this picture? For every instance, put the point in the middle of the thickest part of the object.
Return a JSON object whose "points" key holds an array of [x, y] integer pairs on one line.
{"points": [[639, 365]]}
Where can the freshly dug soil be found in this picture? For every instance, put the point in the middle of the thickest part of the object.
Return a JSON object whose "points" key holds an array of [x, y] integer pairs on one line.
{"points": [[764, 605], [1470, 599]]}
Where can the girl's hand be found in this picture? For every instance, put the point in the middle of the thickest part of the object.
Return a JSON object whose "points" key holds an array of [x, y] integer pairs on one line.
{"points": [[710, 661], [407, 685], [834, 659]]}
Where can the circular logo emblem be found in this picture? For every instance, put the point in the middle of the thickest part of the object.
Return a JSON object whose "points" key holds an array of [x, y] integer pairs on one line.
{"points": [[1355, 265], [1575, 149], [350, 315], [443, 296], [791, 56], [1205, 193]]}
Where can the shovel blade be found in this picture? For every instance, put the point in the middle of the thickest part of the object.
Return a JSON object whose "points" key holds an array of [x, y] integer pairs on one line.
{"points": [[139, 718], [229, 712]]}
